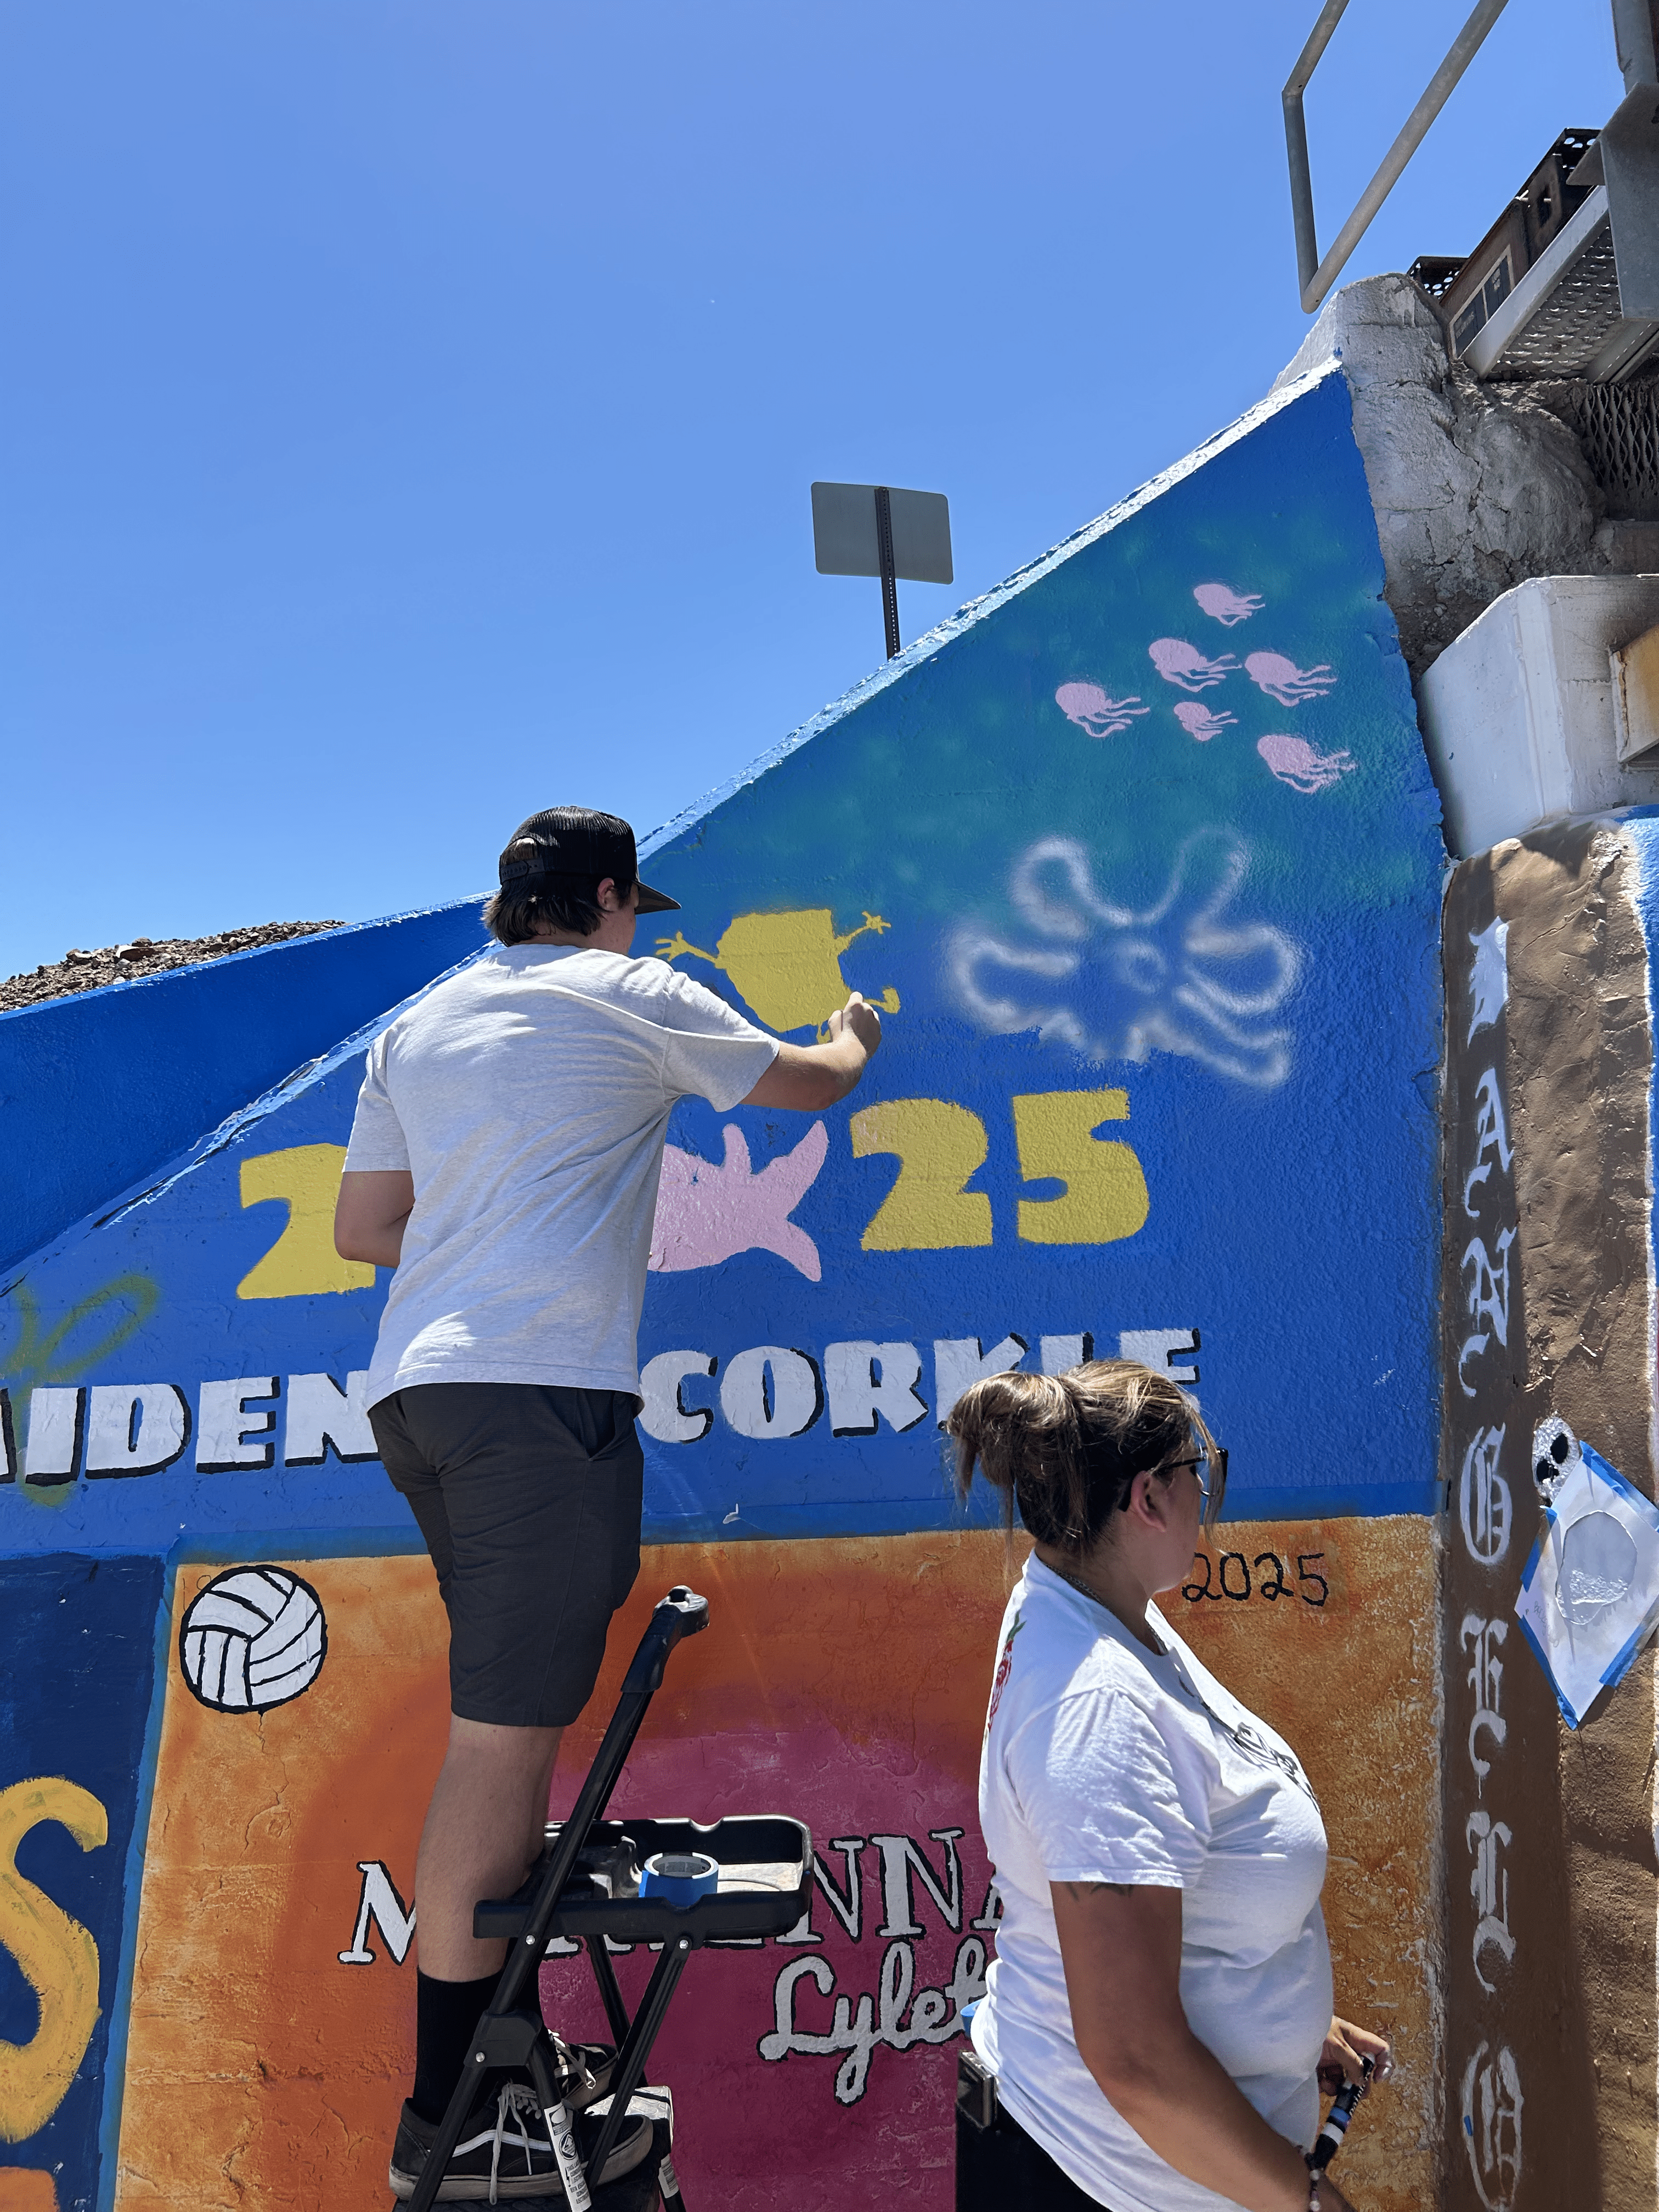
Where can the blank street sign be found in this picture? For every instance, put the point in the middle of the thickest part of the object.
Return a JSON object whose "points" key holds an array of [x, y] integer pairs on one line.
{"points": [[844, 538]]}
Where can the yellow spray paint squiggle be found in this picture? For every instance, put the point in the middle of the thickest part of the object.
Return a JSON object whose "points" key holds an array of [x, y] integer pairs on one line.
{"points": [[58, 1956]]}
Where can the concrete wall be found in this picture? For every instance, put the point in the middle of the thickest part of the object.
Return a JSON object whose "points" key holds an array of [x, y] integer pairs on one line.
{"points": [[1142, 854], [1551, 2030]]}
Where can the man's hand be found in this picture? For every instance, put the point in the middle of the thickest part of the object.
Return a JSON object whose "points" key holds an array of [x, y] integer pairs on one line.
{"points": [[808, 1077], [861, 1020]]}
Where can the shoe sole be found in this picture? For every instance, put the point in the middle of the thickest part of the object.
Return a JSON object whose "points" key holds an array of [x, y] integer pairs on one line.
{"points": [[629, 2151]]}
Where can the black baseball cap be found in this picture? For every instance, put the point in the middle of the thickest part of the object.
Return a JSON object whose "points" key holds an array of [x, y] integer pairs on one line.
{"points": [[574, 844]]}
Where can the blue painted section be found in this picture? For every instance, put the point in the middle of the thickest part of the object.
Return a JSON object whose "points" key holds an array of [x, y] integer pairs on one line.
{"points": [[100, 1089], [1154, 819], [81, 1637]]}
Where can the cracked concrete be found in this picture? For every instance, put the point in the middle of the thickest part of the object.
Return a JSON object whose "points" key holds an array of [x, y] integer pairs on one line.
{"points": [[1476, 487]]}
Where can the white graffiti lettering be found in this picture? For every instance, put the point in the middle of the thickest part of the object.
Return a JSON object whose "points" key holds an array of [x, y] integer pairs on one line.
{"points": [[1488, 1299], [1489, 975], [1484, 1499], [1485, 1679], [935, 2016], [1491, 2126], [1489, 1885], [1492, 1142]]}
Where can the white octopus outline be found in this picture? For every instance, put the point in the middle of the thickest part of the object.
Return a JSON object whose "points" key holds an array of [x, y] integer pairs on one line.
{"points": [[1165, 966]]}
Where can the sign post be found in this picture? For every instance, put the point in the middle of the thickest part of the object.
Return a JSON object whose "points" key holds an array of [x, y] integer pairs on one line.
{"points": [[871, 530]]}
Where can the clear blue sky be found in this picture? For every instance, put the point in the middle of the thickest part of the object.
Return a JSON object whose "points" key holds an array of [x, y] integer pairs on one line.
{"points": [[410, 408]]}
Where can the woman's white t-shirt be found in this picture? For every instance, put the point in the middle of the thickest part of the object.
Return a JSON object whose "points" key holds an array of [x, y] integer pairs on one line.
{"points": [[1106, 1762]]}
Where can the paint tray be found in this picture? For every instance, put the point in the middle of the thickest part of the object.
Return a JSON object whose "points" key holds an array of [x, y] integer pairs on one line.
{"points": [[764, 1887]]}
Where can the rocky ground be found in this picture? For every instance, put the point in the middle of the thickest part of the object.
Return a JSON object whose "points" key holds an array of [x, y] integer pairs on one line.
{"points": [[88, 970]]}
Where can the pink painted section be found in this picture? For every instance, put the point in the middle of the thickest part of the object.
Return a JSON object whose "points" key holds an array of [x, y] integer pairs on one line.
{"points": [[1281, 679], [1294, 760], [1184, 665], [1226, 606], [708, 1212]]}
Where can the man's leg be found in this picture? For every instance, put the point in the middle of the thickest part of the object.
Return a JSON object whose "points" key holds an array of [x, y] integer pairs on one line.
{"points": [[484, 1829], [529, 1501]]}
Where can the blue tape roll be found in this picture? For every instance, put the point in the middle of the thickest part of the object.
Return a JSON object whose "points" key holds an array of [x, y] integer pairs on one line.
{"points": [[679, 1877]]}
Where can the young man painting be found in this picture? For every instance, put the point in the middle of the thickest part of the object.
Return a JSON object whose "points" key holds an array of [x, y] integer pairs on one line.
{"points": [[504, 1160]]}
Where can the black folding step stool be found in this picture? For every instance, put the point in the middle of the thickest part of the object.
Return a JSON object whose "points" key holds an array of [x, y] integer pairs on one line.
{"points": [[584, 1886]]}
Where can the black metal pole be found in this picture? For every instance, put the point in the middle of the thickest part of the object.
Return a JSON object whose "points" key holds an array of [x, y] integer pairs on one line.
{"points": [[888, 576]]}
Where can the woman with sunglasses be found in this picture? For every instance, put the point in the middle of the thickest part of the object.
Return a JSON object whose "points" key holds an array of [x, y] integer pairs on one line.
{"points": [[1160, 2011]]}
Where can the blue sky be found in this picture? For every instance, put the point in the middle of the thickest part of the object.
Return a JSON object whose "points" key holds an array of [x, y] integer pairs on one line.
{"points": [[409, 410]]}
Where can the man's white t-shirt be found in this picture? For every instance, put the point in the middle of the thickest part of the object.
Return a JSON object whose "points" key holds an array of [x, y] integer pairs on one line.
{"points": [[528, 1096], [1106, 1762]]}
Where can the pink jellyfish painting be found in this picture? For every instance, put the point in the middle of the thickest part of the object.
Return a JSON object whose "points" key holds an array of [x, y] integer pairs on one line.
{"points": [[1226, 606], [1283, 680], [1185, 666], [708, 1211], [1088, 706], [1294, 760], [1199, 722]]}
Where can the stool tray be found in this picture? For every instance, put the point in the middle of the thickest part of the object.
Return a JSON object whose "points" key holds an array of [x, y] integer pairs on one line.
{"points": [[765, 1883]]}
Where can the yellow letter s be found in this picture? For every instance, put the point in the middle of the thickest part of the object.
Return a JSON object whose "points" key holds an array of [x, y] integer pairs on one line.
{"points": [[58, 1957]]}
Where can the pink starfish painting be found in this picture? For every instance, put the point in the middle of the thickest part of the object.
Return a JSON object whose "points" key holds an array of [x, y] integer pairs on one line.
{"points": [[1294, 760], [1283, 680], [1185, 666], [1226, 606], [1088, 706], [707, 1212], [1199, 722]]}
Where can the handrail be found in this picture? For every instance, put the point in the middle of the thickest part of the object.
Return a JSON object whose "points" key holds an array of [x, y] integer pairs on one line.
{"points": [[1317, 276]]}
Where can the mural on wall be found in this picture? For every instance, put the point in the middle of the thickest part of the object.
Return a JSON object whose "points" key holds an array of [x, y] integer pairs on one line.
{"points": [[1140, 857], [1548, 1590]]}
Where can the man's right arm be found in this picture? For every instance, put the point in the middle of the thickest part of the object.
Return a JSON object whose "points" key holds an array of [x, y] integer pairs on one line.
{"points": [[370, 1214], [808, 1077]]}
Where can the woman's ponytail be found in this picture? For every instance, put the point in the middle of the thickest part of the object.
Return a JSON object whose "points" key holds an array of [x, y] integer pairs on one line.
{"points": [[1066, 1448]]}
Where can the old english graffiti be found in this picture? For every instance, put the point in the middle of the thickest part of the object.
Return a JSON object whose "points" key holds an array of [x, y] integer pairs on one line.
{"points": [[1492, 1143], [1486, 1677], [1491, 2100], [1489, 1885], [1491, 2126], [1488, 1299], [1484, 1505]]}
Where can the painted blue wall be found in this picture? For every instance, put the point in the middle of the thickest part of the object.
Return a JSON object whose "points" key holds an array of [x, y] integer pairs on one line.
{"points": [[1154, 820], [100, 1089], [80, 1638]]}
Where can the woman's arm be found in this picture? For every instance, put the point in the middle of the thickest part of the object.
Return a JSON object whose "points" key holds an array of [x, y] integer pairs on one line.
{"points": [[1121, 1947], [370, 1212]]}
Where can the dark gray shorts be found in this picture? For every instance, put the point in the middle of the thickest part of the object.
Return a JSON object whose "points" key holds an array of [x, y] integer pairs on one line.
{"points": [[528, 1498]]}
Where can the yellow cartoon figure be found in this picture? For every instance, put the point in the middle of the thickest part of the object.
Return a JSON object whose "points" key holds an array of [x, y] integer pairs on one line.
{"points": [[787, 966]]}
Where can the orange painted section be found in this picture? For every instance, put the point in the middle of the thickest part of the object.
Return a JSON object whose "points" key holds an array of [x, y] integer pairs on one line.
{"points": [[21, 2191], [844, 1681]]}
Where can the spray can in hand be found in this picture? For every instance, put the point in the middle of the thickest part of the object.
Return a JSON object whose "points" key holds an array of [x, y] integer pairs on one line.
{"points": [[1328, 2140]]}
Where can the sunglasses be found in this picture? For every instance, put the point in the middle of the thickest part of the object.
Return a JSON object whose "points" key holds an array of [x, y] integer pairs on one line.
{"points": [[1217, 1462]]}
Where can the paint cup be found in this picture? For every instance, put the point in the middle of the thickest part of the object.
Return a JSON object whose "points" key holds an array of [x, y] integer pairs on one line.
{"points": [[679, 1877]]}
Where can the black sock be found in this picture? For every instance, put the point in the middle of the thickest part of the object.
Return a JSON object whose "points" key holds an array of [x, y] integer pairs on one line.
{"points": [[446, 2018]]}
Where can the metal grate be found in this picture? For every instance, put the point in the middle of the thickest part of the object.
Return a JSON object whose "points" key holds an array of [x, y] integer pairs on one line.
{"points": [[1618, 427], [1572, 322]]}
